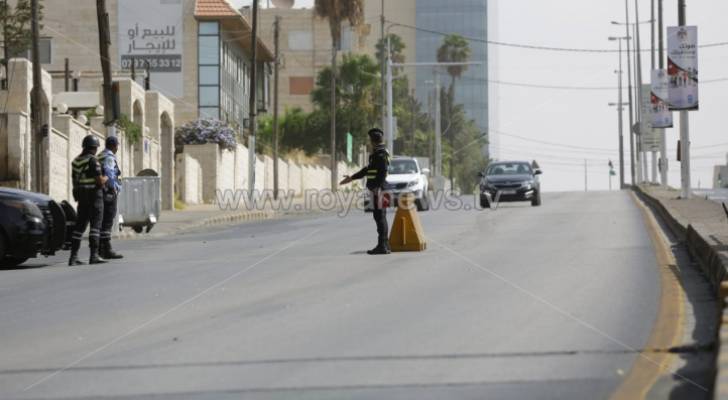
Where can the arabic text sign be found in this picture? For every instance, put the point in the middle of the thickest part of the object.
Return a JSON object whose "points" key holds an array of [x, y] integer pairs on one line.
{"points": [[682, 67], [150, 35], [661, 115], [650, 137]]}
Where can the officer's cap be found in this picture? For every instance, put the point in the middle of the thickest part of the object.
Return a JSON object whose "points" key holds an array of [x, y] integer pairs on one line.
{"points": [[376, 134], [90, 142], [112, 141]]}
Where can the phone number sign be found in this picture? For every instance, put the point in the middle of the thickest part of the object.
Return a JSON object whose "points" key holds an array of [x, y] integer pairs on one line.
{"points": [[155, 63]]}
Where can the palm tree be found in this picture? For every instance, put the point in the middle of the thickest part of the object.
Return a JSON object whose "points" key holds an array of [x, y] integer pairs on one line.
{"points": [[337, 11], [454, 48]]}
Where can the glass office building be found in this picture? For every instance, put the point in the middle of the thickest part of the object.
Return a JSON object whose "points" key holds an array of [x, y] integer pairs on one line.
{"points": [[468, 18]]}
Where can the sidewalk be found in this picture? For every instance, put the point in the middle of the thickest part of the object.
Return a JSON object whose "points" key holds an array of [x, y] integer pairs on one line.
{"points": [[703, 226], [205, 215]]}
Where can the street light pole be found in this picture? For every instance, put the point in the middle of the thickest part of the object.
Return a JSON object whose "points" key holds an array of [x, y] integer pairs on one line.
{"points": [[253, 101], [36, 111], [661, 56], [631, 102], [621, 122], [684, 127], [652, 67], [276, 39], [638, 79]]}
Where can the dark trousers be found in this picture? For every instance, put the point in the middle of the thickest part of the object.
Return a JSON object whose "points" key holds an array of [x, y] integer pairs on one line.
{"points": [[90, 211], [380, 218], [110, 200]]}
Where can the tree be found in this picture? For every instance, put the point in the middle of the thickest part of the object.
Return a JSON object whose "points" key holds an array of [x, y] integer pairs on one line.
{"points": [[358, 89], [396, 45], [337, 11], [16, 28], [454, 48]]}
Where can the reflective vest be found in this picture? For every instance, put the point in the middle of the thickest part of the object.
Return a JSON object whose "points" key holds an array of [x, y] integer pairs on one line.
{"points": [[82, 174]]}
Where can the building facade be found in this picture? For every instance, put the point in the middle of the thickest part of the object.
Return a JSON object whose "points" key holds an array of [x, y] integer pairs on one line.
{"points": [[305, 47], [197, 52], [468, 18]]}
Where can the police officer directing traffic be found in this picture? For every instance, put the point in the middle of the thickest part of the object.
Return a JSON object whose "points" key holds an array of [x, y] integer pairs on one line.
{"points": [[88, 183], [376, 174], [110, 169]]}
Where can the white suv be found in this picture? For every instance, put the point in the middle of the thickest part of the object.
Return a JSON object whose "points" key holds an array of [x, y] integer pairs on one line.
{"points": [[405, 176]]}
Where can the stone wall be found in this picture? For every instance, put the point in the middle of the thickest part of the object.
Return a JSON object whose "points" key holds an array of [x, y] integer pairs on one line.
{"points": [[228, 170], [188, 179]]}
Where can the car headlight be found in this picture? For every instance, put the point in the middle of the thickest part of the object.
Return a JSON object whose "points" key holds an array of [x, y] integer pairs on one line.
{"points": [[27, 208], [527, 185], [413, 183]]}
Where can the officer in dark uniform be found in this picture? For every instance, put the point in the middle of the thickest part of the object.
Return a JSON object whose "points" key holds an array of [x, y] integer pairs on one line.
{"points": [[88, 183], [110, 169], [376, 174]]}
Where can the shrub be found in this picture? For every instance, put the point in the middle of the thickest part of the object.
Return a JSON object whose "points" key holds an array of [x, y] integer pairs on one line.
{"points": [[205, 131]]}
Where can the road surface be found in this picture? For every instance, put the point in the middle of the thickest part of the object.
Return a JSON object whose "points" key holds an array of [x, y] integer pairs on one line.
{"points": [[521, 302]]}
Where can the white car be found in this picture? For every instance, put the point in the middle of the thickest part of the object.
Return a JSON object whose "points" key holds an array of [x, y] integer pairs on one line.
{"points": [[405, 176]]}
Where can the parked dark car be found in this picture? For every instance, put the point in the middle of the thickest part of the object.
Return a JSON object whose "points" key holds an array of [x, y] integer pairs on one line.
{"points": [[30, 224], [508, 181]]}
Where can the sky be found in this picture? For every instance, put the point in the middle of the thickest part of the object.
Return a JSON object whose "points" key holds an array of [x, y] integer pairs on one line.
{"points": [[571, 120]]}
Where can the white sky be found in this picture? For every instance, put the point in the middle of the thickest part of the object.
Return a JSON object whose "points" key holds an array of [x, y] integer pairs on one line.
{"points": [[582, 118]]}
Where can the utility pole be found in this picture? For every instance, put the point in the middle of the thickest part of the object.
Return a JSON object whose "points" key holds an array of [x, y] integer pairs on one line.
{"points": [[631, 102], [390, 102], [276, 37], [652, 67], [334, 172], [66, 75], [642, 156], [37, 100], [684, 126], [104, 43], [438, 128], [253, 102], [382, 60], [663, 138]]}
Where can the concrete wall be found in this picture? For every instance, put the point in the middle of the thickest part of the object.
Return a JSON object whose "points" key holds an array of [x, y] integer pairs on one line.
{"points": [[228, 170], [188, 179]]}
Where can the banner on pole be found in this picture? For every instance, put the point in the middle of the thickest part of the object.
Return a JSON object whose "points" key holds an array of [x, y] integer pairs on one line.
{"points": [[682, 67], [649, 136], [661, 115]]}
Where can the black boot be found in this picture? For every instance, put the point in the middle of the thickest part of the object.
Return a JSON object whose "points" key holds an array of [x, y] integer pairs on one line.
{"points": [[382, 248], [95, 259], [73, 260], [107, 252]]}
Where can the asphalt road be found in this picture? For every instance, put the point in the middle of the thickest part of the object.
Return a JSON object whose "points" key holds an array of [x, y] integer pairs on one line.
{"points": [[517, 303]]}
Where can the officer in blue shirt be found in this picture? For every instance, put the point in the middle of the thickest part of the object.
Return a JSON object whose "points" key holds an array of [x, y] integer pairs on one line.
{"points": [[110, 168]]}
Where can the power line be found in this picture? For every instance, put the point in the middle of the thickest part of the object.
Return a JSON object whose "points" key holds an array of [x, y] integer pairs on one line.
{"points": [[568, 146], [533, 46]]}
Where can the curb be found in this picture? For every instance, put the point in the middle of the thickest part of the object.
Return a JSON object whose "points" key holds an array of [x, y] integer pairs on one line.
{"points": [[715, 267], [211, 221]]}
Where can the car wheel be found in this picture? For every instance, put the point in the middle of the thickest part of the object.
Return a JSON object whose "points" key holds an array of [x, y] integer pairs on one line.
{"points": [[536, 201], [484, 202], [12, 261]]}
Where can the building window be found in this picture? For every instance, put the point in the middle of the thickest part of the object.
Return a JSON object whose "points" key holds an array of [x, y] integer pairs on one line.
{"points": [[300, 40], [300, 85], [208, 67], [45, 48]]}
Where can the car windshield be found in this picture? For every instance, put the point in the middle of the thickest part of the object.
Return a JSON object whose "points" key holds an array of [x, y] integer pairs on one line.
{"points": [[509, 169], [401, 167]]}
